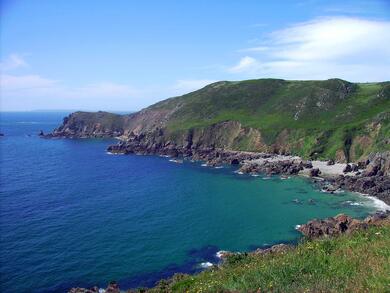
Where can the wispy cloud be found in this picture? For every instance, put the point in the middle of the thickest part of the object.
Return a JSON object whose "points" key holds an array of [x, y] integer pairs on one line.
{"points": [[32, 91], [351, 48], [246, 64], [13, 61]]}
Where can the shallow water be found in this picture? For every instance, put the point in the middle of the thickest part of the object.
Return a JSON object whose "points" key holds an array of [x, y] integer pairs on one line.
{"points": [[71, 214]]}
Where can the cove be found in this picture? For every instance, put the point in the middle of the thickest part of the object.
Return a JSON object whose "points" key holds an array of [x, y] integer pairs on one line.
{"points": [[71, 214]]}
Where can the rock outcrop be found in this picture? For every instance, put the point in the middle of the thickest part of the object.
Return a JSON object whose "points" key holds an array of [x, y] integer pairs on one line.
{"points": [[339, 224], [112, 287]]}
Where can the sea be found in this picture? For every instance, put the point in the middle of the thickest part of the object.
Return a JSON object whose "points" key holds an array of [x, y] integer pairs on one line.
{"points": [[72, 214]]}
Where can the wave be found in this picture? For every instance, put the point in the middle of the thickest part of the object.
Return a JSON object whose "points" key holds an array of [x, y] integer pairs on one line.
{"points": [[378, 204], [29, 122], [114, 154], [206, 265]]}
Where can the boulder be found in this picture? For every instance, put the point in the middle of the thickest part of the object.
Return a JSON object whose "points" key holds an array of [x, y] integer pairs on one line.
{"points": [[315, 172], [371, 170], [347, 168], [234, 161], [329, 227], [330, 162], [354, 167]]}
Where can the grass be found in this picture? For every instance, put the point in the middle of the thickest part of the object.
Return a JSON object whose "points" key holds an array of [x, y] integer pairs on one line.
{"points": [[359, 262]]}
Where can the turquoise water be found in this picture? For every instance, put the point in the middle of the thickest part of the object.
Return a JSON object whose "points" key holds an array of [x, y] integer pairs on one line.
{"points": [[71, 214]]}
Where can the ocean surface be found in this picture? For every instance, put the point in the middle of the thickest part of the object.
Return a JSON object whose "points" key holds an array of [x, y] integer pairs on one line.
{"points": [[73, 215]]}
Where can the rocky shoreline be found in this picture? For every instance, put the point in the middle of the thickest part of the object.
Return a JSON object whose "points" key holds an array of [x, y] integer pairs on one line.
{"points": [[314, 229], [370, 177]]}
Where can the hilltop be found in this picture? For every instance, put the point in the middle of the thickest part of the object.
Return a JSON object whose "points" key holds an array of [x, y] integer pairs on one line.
{"points": [[330, 119]]}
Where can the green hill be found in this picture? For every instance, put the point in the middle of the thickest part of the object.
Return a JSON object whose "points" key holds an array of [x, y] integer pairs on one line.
{"points": [[314, 119]]}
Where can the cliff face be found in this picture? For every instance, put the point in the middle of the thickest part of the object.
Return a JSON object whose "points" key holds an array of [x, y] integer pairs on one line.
{"points": [[331, 119]]}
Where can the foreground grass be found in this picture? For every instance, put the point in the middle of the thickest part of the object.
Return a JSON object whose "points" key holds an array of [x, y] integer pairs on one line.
{"points": [[351, 263]]}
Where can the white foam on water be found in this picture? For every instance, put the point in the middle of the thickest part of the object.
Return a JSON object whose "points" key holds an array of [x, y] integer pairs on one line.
{"points": [[266, 178], [114, 154], [220, 253], [218, 167], [255, 175], [378, 204], [204, 165], [241, 173], [101, 290], [29, 122], [206, 264], [297, 227]]}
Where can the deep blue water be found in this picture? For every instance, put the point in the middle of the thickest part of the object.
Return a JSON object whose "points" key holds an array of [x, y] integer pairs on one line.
{"points": [[73, 215]]}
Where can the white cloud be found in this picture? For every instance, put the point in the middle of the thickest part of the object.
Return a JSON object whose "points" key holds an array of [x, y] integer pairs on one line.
{"points": [[15, 83], [351, 48], [13, 61], [246, 64]]}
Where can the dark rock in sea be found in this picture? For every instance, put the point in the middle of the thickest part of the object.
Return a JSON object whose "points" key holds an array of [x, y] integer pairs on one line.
{"points": [[347, 168], [41, 133], [234, 162], [315, 172], [1, 134]]}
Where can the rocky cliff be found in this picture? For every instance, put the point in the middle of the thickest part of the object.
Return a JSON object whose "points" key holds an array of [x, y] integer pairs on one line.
{"points": [[331, 119]]}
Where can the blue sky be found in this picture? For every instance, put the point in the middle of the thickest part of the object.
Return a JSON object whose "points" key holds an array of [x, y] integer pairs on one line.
{"points": [[125, 55]]}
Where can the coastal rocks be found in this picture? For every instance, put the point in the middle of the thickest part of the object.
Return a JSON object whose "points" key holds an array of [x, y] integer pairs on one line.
{"points": [[273, 167], [340, 224], [380, 162], [330, 162], [84, 290], [347, 168], [378, 186], [89, 125], [278, 248], [315, 172], [329, 227], [112, 287]]}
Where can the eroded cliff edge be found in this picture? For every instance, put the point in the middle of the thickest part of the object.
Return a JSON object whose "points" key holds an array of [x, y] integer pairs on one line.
{"points": [[331, 119], [231, 122]]}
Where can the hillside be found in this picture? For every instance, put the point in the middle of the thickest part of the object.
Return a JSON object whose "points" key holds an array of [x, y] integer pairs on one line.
{"points": [[331, 119]]}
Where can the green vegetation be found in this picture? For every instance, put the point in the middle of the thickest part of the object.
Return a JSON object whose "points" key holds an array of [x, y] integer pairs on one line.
{"points": [[322, 118], [314, 119], [359, 262]]}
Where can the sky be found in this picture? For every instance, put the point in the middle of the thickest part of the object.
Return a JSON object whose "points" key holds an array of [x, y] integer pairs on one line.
{"points": [[125, 55]]}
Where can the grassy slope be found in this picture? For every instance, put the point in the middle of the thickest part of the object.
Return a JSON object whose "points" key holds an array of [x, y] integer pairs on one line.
{"points": [[322, 115], [351, 263]]}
